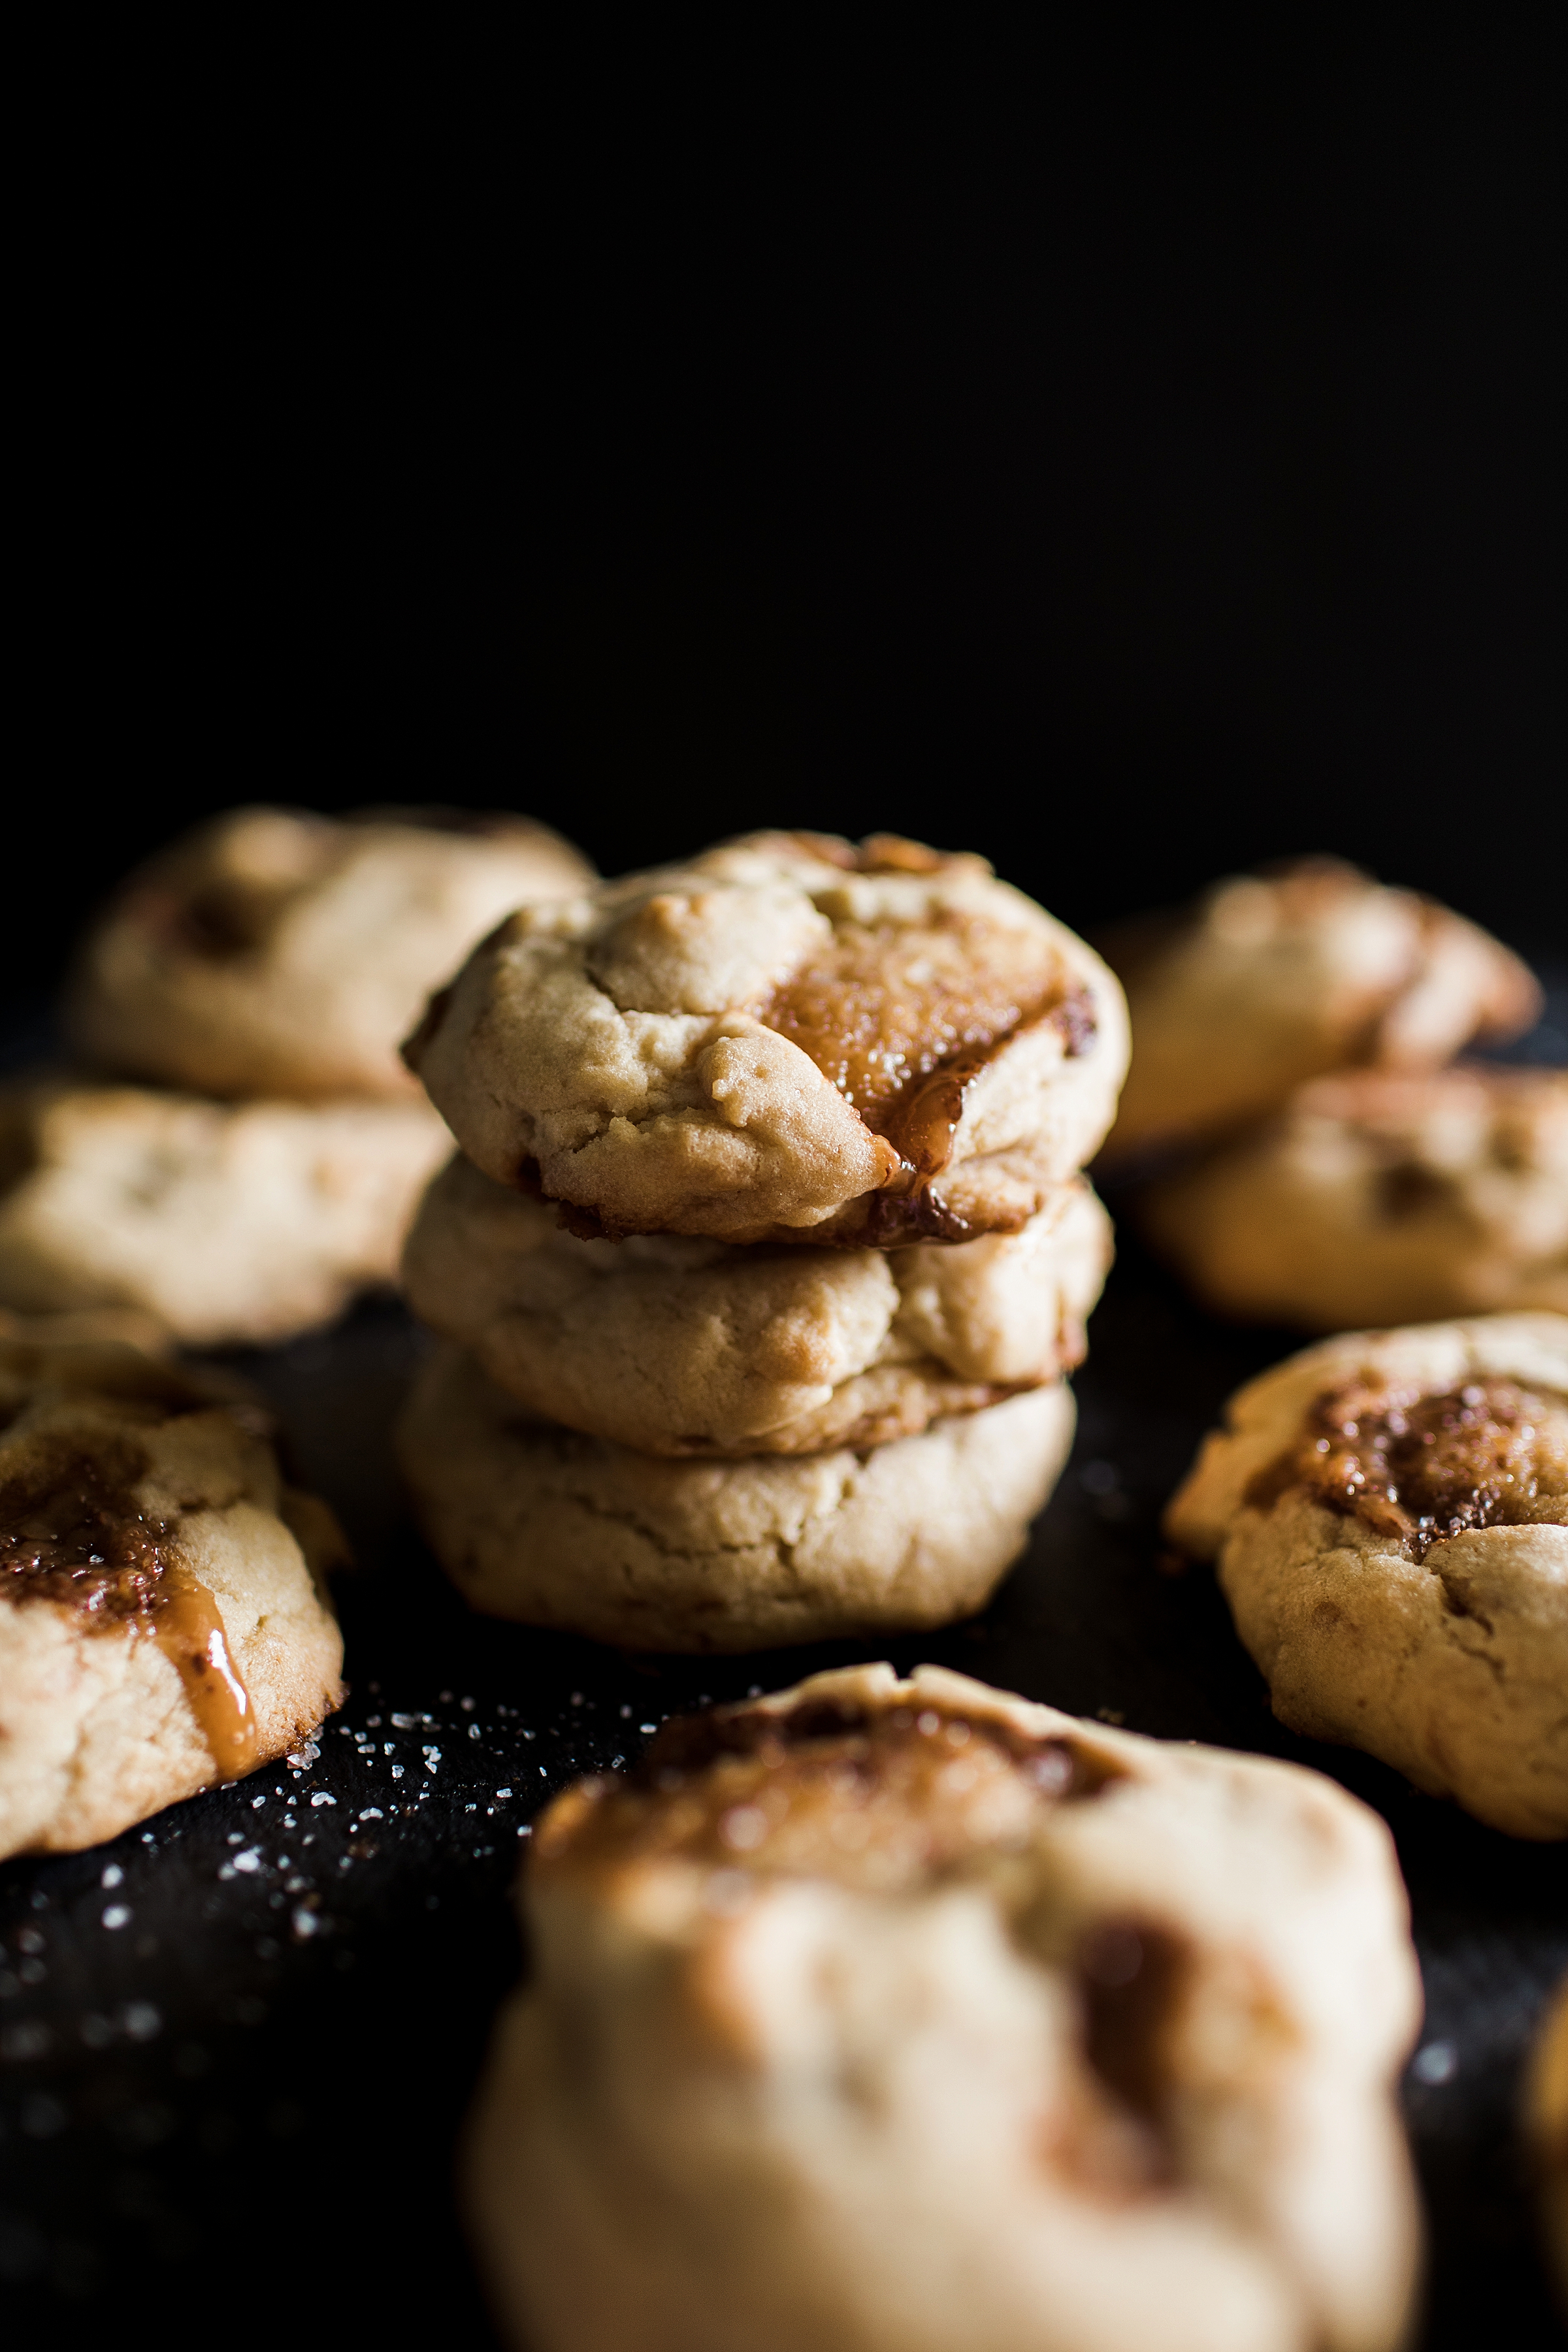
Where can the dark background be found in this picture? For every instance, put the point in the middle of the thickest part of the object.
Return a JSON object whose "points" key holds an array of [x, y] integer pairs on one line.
{"points": [[1134, 458]]}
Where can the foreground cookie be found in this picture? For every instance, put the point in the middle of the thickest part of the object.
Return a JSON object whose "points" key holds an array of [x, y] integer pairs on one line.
{"points": [[1389, 1512], [909, 2016], [1381, 1198], [538, 1523], [227, 1222], [787, 1037], [682, 1346], [274, 952], [1549, 2136], [1270, 980], [162, 1625]]}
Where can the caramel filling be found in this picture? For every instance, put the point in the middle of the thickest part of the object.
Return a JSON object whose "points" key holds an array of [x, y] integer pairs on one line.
{"points": [[879, 1801], [72, 1532], [903, 1018], [1419, 1469]]}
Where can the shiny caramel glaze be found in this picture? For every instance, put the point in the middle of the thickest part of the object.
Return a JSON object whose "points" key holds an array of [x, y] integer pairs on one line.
{"points": [[901, 1017], [1418, 1468], [73, 1532], [881, 1800]]}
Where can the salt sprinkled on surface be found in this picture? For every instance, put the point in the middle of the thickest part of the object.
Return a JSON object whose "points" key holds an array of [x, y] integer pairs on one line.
{"points": [[117, 1915], [112, 1877], [321, 1798]]}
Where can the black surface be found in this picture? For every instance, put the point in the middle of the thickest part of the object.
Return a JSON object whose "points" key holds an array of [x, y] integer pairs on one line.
{"points": [[266, 2069]]}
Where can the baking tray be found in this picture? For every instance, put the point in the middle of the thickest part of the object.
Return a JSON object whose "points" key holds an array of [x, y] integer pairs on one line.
{"points": [[236, 2044]]}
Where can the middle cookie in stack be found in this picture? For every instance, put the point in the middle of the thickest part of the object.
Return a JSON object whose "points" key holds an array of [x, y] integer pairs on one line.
{"points": [[814, 1117]]}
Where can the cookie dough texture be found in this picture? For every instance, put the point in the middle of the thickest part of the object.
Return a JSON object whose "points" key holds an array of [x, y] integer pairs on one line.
{"points": [[1389, 1514], [538, 1523], [227, 1222], [891, 2017], [162, 1623], [681, 1346], [1548, 2126], [787, 1038], [275, 952], [1269, 980], [1380, 1198]]}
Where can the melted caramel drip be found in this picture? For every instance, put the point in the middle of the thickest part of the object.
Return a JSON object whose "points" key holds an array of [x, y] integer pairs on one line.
{"points": [[880, 1801], [1420, 1469], [1130, 1977], [887, 1005], [72, 1532]]}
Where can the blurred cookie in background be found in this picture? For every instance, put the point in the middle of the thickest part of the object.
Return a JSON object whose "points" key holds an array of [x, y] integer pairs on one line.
{"points": [[892, 2014], [1270, 980], [163, 1623], [1547, 2123], [1378, 1198], [1388, 1515], [541, 1524], [274, 952], [677, 1346], [225, 1221]]}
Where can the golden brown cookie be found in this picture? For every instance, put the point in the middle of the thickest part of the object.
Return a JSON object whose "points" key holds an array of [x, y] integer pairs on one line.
{"points": [[1271, 980], [1378, 1198], [1547, 2129], [227, 1222], [681, 1346], [538, 1523], [891, 2016], [162, 1622], [1389, 1514], [787, 1038], [275, 952]]}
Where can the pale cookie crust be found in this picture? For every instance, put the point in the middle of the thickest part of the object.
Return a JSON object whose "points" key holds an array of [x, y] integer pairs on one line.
{"points": [[895, 2017], [1389, 1513], [541, 1524], [227, 1222], [275, 952], [1381, 1198], [1269, 980], [788, 1038], [681, 1346], [1547, 2127], [162, 1623]]}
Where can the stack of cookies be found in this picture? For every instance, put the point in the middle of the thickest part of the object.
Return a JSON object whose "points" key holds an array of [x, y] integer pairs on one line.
{"points": [[767, 1252], [1318, 1162], [260, 974]]}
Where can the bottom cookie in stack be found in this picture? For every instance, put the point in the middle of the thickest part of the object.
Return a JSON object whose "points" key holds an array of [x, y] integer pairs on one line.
{"points": [[548, 1525]]}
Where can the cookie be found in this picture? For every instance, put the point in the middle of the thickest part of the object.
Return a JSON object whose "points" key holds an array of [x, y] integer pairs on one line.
{"points": [[162, 1623], [275, 952], [1378, 1198], [1389, 1514], [541, 1524], [788, 1038], [681, 1346], [1272, 979], [1548, 2126], [911, 2014], [227, 1222]]}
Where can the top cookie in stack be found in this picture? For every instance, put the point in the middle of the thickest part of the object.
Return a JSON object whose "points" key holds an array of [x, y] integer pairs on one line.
{"points": [[848, 1090]]}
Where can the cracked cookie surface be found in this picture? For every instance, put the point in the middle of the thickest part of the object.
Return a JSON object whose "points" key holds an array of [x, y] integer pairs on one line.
{"points": [[911, 2014], [1389, 1516], [229, 1221], [162, 1622], [1270, 980], [1378, 1198], [786, 1038], [681, 1346], [538, 1523], [277, 952]]}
